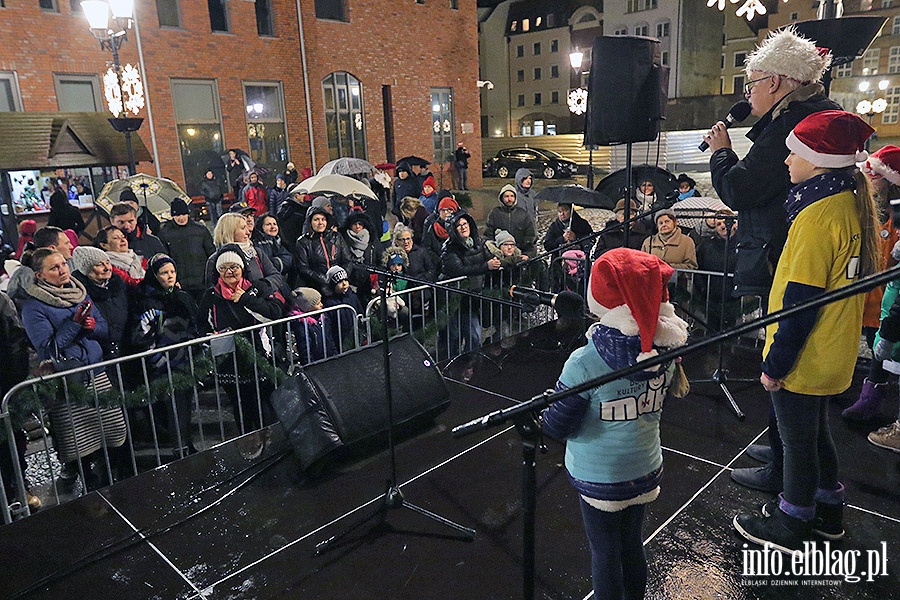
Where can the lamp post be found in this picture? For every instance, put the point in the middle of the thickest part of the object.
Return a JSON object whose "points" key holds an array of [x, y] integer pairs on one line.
{"points": [[869, 108], [122, 85], [577, 102]]}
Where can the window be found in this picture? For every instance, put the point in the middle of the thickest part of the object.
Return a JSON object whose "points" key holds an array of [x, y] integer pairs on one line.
{"points": [[331, 9], [870, 61], [795, 16], [887, 3], [844, 70], [895, 26], [643, 30], [537, 73], [737, 84], [520, 75], [526, 24], [894, 60], [665, 57], [739, 59], [621, 31], [551, 128], [344, 117], [454, 4], [538, 128], [639, 5], [551, 20], [9, 92], [218, 15], [554, 45], [520, 100], [537, 48], [264, 25], [78, 93], [514, 26], [520, 51], [537, 99], [48, 5], [891, 114], [722, 62], [443, 128], [554, 71], [554, 97], [167, 13], [662, 29], [199, 126], [266, 134]]}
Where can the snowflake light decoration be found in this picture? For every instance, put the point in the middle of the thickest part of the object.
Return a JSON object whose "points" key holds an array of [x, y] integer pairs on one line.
{"points": [[577, 101], [748, 9], [131, 87]]}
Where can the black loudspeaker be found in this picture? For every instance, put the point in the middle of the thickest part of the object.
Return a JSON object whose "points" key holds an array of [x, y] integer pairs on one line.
{"points": [[331, 408], [627, 93]]}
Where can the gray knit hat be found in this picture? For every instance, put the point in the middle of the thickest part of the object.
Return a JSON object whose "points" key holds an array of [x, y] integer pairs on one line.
{"points": [[85, 257], [320, 202], [335, 275], [307, 298], [502, 237]]}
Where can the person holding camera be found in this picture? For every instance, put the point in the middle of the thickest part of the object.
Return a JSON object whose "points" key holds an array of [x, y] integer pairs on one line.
{"points": [[461, 162]]}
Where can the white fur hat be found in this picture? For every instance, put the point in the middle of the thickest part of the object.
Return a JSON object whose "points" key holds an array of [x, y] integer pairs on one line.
{"points": [[790, 55]]}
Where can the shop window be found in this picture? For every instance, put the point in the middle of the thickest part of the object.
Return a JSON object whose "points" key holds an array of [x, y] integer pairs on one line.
{"points": [[344, 117]]}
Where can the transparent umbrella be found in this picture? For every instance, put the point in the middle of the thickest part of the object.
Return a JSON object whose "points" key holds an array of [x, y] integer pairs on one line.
{"points": [[347, 166]]}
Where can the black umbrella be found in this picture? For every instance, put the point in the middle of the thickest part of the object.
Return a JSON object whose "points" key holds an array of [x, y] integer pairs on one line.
{"points": [[576, 194], [414, 161], [613, 185]]}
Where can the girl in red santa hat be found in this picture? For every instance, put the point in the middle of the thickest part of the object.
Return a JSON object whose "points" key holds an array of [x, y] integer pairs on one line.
{"points": [[613, 453], [810, 357]]}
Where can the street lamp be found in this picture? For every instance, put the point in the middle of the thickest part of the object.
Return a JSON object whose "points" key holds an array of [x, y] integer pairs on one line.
{"points": [[577, 101], [122, 85]]}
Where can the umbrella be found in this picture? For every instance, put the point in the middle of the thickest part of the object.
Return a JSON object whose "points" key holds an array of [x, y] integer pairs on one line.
{"points": [[576, 194], [241, 155], [334, 184], [153, 193], [347, 165], [613, 185], [694, 207], [414, 161]]}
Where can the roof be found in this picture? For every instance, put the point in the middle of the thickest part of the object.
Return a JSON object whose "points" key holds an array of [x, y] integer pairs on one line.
{"points": [[31, 140], [538, 13]]}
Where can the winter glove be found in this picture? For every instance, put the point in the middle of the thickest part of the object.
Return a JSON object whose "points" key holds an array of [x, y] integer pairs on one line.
{"points": [[148, 318], [88, 323], [883, 349], [895, 252], [83, 311]]}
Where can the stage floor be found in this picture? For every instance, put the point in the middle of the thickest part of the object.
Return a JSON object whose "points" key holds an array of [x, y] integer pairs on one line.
{"points": [[241, 520]]}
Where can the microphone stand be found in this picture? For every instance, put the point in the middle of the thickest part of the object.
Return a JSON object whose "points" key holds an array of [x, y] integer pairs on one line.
{"points": [[392, 497], [524, 415]]}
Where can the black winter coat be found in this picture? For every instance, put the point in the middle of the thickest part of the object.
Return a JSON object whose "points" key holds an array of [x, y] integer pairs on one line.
{"points": [[554, 237], [411, 186], [614, 237], [112, 302], [258, 267], [291, 217], [458, 259], [421, 265], [315, 253], [189, 246], [143, 243], [162, 319], [211, 190], [757, 187], [273, 248]]}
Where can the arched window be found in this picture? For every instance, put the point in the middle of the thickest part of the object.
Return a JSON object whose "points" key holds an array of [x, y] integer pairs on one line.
{"points": [[344, 115]]}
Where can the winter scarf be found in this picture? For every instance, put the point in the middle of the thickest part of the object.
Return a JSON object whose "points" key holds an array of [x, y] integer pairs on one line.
{"points": [[226, 292], [815, 188], [67, 296], [130, 262], [358, 242]]}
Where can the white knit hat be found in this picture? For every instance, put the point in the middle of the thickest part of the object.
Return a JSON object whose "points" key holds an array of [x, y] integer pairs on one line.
{"points": [[790, 55], [228, 257], [831, 139]]}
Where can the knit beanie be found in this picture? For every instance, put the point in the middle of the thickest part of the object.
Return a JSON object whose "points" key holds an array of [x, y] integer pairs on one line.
{"points": [[429, 181], [229, 257], [884, 162], [787, 54], [448, 203], [307, 298], [28, 227], [85, 257], [502, 237], [831, 139], [667, 212], [159, 260], [127, 195], [335, 275], [320, 202], [179, 207], [633, 278]]}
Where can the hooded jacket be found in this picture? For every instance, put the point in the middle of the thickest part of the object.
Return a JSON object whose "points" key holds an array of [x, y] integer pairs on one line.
{"points": [[411, 186], [526, 197], [357, 272], [513, 219], [315, 253], [278, 195], [458, 258], [757, 187]]}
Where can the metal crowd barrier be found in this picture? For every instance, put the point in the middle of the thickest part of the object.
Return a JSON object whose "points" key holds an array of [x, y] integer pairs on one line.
{"points": [[161, 405]]}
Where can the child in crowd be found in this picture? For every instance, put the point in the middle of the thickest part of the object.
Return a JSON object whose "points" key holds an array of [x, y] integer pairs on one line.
{"points": [[341, 321], [395, 260], [311, 332], [613, 452]]}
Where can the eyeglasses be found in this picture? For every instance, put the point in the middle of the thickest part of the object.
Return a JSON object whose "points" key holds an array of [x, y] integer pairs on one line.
{"points": [[229, 268], [749, 85], [404, 239]]}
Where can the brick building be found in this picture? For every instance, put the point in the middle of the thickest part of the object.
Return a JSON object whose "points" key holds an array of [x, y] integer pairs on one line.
{"points": [[385, 78]]}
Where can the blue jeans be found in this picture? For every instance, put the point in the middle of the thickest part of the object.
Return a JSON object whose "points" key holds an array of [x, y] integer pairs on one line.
{"points": [[618, 564], [810, 458]]}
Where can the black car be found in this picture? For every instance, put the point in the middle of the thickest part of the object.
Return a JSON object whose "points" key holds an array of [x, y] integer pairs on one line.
{"points": [[546, 163]]}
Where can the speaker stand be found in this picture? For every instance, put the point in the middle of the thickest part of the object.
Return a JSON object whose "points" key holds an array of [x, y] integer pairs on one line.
{"points": [[392, 497], [720, 375]]}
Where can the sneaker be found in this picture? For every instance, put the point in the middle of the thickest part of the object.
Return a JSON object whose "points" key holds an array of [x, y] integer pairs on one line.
{"points": [[765, 478], [828, 523], [887, 437], [759, 452], [780, 531]]}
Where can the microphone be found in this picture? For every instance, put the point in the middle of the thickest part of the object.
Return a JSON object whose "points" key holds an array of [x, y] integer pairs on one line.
{"points": [[568, 305], [739, 112]]}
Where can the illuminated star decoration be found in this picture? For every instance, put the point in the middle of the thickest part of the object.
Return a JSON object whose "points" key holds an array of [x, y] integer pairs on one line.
{"points": [[577, 101]]}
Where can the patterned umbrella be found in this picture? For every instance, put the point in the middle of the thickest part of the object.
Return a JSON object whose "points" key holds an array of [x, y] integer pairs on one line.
{"points": [[691, 210], [153, 193]]}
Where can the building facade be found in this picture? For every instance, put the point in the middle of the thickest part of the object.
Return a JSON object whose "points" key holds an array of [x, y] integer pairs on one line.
{"points": [[376, 79]]}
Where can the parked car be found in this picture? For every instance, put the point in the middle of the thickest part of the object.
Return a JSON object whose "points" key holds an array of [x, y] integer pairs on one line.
{"points": [[547, 163]]}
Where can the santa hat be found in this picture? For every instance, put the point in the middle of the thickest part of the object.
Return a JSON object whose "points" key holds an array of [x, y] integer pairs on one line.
{"points": [[635, 279], [787, 54], [831, 139], [885, 162]]}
